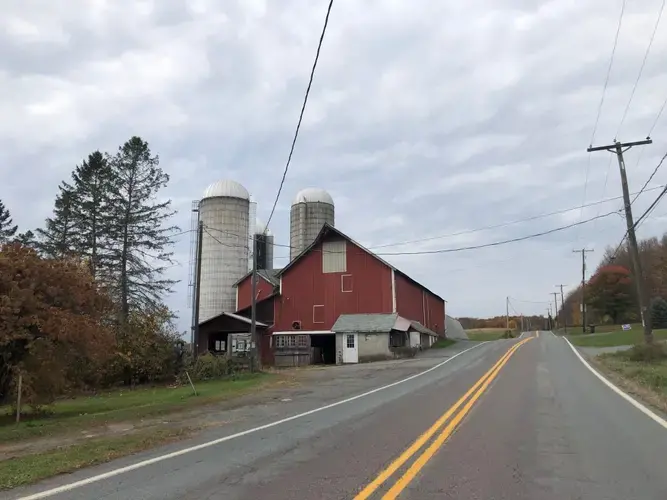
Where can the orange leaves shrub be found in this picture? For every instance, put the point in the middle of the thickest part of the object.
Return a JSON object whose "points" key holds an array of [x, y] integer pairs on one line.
{"points": [[52, 318]]}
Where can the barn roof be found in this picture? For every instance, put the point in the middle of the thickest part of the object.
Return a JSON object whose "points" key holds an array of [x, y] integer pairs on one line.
{"points": [[329, 229], [269, 276]]}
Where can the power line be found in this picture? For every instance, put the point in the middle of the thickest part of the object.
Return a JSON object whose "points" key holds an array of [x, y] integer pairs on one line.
{"points": [[503, 242], [303, 109], [657, 118], [647, 212], [597, 117], [611, 63], [641, 68], [450, 250], [505, 224]]}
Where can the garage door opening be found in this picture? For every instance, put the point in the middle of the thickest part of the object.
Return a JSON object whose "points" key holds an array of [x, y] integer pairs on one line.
{"points": [[324, 349]]}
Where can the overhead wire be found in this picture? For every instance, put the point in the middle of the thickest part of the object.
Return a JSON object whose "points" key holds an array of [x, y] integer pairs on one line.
{"points": [[647, 212], [641, 68], [449, 250], [303, 109], [599, 111], [504, 224]]}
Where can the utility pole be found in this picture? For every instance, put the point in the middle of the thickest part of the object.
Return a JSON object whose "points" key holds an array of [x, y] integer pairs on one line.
{"points": [[195, 326], [507, 313], [583, 286], [555, 294], [619, 148], [562, 308], [255, 360]]}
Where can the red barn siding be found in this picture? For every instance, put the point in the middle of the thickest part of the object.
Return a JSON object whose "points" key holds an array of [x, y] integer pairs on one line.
{"points": [[416, 303], [244, 291], [304, 285]]}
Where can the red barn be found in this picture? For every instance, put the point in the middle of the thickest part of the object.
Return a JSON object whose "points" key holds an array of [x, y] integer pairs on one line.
{"points": [[338, 302]]}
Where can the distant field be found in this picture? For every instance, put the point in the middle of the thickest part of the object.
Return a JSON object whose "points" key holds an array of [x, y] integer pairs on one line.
{"points": [[614, 338], [483, 334]]}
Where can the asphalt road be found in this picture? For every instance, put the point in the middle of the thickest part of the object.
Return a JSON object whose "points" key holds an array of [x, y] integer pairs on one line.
{"points": [[541, 426]]}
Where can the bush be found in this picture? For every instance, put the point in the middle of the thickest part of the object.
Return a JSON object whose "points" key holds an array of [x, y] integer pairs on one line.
{"points": [[508, 334], [647, 353], [209, 367]]}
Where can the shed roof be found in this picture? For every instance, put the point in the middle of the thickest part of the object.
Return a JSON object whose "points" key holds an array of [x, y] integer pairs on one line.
{"points": [[236, 317], [377, 323], [327, 229], [368, 323]]}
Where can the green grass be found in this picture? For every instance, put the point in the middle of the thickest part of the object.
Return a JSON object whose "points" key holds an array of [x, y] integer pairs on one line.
{"points": [[646, 379], [89, 411], [485, 334], [614, 338], [576, 330], [32, 468], [442, 343]]}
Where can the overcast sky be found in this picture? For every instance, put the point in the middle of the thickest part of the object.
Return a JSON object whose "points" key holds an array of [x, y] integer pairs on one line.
{"points": [[425, 118]]}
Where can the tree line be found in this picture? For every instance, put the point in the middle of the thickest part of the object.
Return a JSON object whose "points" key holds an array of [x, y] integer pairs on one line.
{"points": [[82, 298], [610, 292]]}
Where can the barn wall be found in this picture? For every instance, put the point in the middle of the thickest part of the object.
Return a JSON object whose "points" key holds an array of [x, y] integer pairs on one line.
{"points": [[304, 285]]}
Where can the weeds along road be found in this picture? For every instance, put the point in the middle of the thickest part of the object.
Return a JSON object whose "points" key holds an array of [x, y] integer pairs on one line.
{"points": [[514, 419]]}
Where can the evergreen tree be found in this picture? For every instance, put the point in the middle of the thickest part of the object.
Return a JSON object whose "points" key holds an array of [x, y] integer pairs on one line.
{"points": [[139, 235], [27, 239], [7, 229], [659, 312], [89, 211], [58, 238]]}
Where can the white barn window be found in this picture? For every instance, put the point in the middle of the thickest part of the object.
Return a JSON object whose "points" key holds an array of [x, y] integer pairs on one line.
{"points": [[334, 256]]}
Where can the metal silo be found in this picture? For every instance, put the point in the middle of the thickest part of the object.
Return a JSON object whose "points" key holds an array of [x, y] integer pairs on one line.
{"points": [[264, 247], [224, 211], [311, 209]]}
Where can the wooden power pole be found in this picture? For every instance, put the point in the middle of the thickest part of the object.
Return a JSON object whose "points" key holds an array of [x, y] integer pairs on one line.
{"points": [[555, 294], [562, 308], [619, 148], [255, 361], [583, 286]]}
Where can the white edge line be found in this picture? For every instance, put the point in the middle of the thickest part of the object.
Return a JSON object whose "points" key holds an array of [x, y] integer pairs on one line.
{"points": [[150, 461], [657, 418]]}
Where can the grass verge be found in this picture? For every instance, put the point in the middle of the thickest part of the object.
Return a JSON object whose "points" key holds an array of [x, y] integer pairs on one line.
{"points": [[442, 343], [82, 412], [32, 468], [646, 380], [615, 338]]}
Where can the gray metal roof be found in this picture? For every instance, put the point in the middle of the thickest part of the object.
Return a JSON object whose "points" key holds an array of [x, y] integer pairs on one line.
{"points": [[269, 276], [422, 329], [366, 323]]}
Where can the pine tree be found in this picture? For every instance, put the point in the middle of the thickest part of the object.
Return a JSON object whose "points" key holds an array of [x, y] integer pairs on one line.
{"points": [[659, 312], [27, 239], [7, 229], [138, 231], [89, 211], [58, 238]]}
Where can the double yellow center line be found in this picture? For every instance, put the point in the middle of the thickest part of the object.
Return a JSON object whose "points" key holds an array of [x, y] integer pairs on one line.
{"points": [[476, 392]]}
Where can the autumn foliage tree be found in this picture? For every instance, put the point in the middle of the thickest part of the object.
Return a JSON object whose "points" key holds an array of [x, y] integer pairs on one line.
{"points": [[610, 293], [52, 318]]}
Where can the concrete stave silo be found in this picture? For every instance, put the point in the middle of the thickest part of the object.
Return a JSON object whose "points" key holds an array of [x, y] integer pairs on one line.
{"points": [[265, 245], [311, 209], [225, 212]]}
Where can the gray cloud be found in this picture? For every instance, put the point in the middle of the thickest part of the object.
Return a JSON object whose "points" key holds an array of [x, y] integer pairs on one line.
{"points": [[425, 119]]}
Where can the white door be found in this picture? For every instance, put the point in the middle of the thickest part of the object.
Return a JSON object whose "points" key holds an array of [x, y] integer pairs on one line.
{"points": [[350, 348]]}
